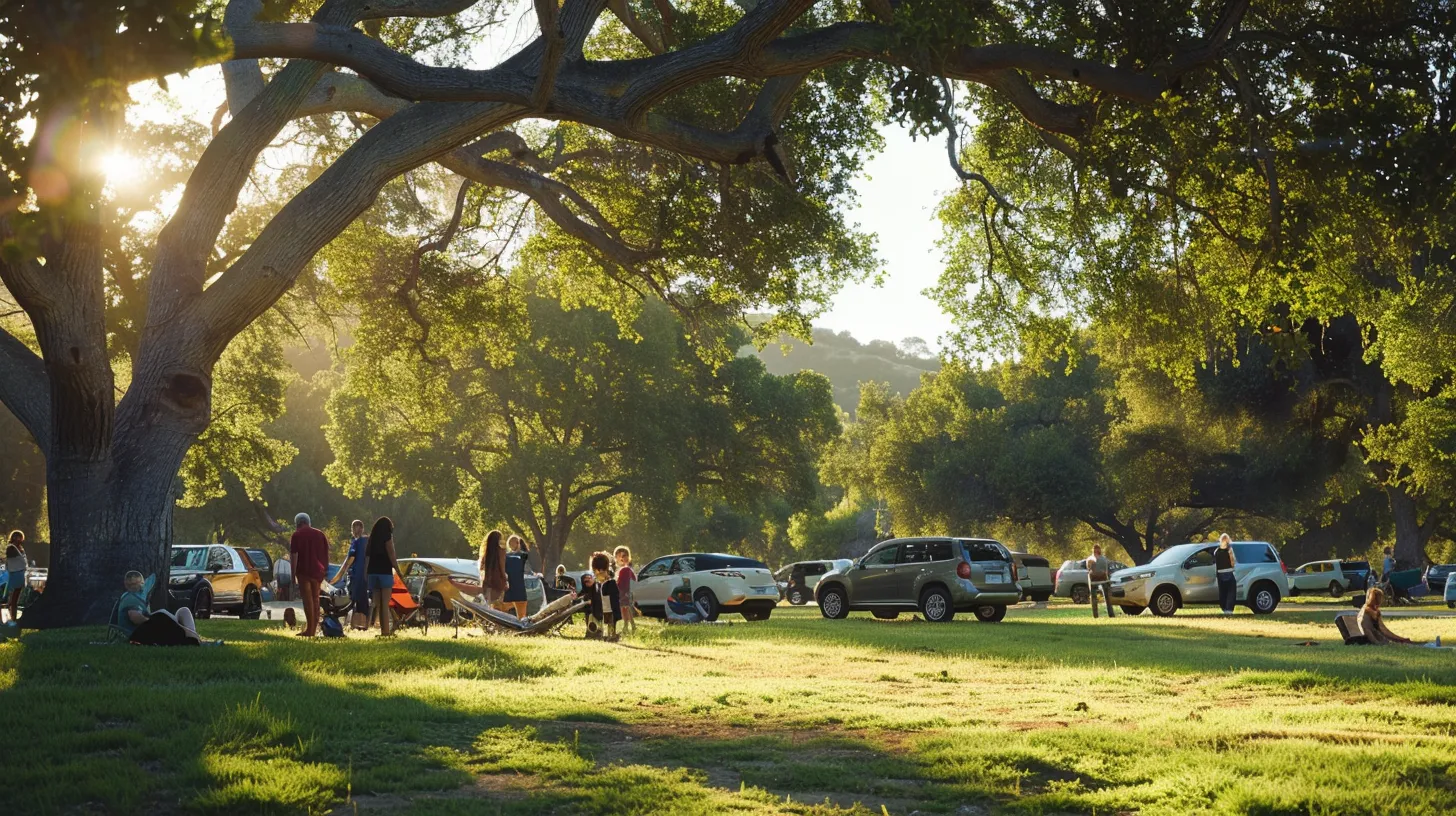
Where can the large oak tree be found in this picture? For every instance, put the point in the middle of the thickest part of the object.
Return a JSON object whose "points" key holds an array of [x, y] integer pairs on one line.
{"points": [[112, 453]]}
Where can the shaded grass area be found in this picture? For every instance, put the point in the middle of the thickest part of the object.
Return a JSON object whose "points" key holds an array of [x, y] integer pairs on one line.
{"points": [[1047, 712]]}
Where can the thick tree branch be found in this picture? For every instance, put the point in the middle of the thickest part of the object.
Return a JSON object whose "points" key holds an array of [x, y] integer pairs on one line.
{"points": [[25, 389], [634, 24]]}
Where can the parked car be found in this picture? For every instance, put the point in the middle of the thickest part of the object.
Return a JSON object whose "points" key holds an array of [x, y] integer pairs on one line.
{"points": [[936, 576], [1437, 575], [207, 578], [1071, 579], [812, 571], [1359, 574], [1034, 576], [719, 583], [1323, 577], [435, 582], [1184, 575]]}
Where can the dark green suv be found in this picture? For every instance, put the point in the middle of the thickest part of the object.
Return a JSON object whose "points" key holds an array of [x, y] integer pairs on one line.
{"points": [[936, 576]]}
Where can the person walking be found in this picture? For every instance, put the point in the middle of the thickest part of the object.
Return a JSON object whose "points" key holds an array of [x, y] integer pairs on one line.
{"points": [[1099, 576], [516, 561], [283, 572], [626, 576], [1223, 567], [309, 550], [493, 570], [353, 570], [380, 568], [15, 564]]}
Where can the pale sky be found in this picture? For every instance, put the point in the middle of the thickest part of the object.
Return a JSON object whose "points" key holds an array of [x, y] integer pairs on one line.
{"points": [[897, 199]]}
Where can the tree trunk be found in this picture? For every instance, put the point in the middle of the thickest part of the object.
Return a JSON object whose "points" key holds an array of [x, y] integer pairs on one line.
{"points": [[103, 526], [553, 545], [1410, 533]]}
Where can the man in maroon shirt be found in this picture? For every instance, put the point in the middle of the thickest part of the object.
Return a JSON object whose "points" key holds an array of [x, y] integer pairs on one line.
{"points": [[309, 548]]}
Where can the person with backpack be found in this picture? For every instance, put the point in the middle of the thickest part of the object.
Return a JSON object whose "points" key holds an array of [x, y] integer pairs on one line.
{"points": [[1223, 566], [1099, 576]]}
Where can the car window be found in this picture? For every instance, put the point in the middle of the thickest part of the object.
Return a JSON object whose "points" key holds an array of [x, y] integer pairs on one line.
{"points": [[418, 568], [816, 569], [656, 568], [218, 559], [1202, 558], [913, 552], [984, 551], [1256, 553], [194, 558], [940, 551], [259, 559], [880, 558], [685, 564]]}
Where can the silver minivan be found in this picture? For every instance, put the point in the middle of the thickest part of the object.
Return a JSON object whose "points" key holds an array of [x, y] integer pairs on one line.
{"points": [[1184, 575]]}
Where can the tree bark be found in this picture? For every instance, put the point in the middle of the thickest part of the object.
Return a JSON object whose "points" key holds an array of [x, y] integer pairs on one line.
{"points": [[1410, 533]]}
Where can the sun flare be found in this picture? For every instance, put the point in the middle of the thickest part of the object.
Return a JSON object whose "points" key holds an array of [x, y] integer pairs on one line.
{"points": [[120, 169]]}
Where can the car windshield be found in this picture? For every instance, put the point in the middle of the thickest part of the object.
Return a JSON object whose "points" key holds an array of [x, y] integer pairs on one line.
{"points": [[192, 558], [1175, 555], [842, 564]]}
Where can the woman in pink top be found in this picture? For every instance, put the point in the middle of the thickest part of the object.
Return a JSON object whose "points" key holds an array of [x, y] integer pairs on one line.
{"points": [[625, 579]]}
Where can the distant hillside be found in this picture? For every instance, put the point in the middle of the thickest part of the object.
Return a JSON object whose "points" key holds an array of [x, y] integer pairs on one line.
{"points": [[848, 362]]}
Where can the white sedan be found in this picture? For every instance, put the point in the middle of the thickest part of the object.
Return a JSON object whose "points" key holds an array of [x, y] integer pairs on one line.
{"points": [[718, 582]]}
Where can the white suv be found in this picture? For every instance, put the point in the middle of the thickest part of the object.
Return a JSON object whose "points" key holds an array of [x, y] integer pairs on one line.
{"points": [[1184, 575], [718, 582]]}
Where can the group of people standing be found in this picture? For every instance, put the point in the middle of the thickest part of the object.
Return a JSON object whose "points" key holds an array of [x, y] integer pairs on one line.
{"points": [[503, 572], [608, 590]]}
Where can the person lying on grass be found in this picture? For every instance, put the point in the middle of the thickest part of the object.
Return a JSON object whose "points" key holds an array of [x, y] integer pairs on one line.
{"points": [[144, 627], [682, 609]]}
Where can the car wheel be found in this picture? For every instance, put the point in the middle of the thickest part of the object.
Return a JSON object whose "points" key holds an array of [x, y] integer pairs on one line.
{"points": [[1263, 598], [708, 601], [202, 603], [1079, 594], [252, 604], [1336, 590], [936, 605], [436, 604], [883, 615], [1164, 603], [1132, 609], [990, 614], [1451, 604], [797, 597], [760, 615], [833, 604]]}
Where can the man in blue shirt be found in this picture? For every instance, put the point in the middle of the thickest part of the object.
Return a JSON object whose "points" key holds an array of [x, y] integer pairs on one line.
{"points": [[353, 567], [1389, 566]]}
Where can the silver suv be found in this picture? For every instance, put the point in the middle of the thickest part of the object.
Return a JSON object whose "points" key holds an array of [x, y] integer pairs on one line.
{"points": [[1184, 575]]}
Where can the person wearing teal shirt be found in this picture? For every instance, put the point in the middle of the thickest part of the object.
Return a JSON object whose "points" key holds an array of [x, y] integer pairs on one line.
{"points": [[141, 625]]}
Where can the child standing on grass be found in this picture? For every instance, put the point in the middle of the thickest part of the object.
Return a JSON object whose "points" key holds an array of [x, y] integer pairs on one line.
{"points": [[592, 594], [625, 578], [601, 565]]}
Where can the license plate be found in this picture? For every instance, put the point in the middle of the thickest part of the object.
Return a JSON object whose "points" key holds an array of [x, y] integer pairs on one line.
{"points": [[993, 578], [766, 590]]}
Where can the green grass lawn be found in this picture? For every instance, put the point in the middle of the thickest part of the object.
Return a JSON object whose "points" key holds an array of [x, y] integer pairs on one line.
{"points": [[1047, 712]]}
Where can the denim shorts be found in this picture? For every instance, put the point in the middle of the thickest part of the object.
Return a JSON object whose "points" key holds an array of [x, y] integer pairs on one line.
{"points": [[381, 582], [15, 581]]}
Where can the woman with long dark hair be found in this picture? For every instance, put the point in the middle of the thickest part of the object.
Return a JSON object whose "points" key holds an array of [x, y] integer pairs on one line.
{"points": [[380, 568], [493, 569]]}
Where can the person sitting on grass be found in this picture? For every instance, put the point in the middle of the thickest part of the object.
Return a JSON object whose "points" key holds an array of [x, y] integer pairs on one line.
{"points": [[681, 608], [1372, 622], [144, 627]]}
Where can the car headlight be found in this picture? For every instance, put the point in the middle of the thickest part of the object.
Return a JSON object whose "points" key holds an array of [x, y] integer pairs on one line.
{"points": [[1137, 576], [181, 580]]}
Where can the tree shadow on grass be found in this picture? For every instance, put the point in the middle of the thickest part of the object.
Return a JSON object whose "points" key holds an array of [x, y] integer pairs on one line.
{"points": [[1173, 646]]}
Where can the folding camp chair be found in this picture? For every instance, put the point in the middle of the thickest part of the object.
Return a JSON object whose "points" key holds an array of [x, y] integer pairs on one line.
{"points": [[1405, 585], [1346, 623], [404, 606], [551, 617]]}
